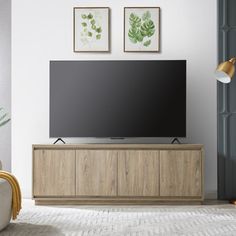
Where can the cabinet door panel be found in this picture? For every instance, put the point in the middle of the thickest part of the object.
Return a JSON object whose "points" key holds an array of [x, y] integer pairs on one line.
{"points": [[96, 173], [180, 173], [54, 173], [138, 173]]}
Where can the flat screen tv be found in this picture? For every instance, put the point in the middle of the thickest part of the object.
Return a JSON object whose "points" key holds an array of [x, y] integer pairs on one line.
{"points": [[118, 99]]}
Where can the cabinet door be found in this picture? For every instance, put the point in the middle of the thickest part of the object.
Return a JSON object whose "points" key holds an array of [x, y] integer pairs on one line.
{"points": [[180, 173], [54, 173], [96, 173], [138, 173]]}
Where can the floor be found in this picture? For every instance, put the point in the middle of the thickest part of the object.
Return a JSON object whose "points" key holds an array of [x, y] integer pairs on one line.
{"points": [[212, 219]]}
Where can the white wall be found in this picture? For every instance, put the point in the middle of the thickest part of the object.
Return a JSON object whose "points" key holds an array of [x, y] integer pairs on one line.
{"points": [[42, 31], [5, 80]]}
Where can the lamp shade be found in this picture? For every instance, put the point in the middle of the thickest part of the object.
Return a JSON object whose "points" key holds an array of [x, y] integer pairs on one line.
{"points": [[225, 71]]}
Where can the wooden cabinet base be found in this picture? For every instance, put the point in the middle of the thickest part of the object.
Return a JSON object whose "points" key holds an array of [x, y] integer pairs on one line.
{"points": [[118, 201], [118, 174]]}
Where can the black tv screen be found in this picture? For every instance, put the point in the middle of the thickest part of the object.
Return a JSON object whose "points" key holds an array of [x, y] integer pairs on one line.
{"points": [[118, 99]]}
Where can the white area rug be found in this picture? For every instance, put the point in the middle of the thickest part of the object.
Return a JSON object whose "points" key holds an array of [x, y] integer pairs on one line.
{"points": [[117, 220]]}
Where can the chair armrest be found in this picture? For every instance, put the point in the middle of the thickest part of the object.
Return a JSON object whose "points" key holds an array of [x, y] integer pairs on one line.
{"points": [[5, 203]]}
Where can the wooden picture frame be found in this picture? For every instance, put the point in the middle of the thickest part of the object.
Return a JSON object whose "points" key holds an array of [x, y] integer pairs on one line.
{"points": [[91, 29], [142, 29]]}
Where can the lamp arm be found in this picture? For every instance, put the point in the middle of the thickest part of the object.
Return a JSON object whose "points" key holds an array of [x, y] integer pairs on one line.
{"points": [[233, 60]]}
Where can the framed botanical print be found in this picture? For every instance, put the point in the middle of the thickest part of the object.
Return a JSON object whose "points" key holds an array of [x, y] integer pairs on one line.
{"points": [[91, 29], [141, 29]]}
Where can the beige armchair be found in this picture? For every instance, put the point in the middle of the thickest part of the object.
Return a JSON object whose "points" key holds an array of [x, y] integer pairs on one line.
{"points": [[5, 202]]}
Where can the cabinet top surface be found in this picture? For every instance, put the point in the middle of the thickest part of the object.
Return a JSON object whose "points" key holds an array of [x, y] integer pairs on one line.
{"points": [[119, 146]]}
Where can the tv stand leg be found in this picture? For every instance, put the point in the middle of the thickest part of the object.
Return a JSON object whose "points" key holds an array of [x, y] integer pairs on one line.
{"points": [[59, 139], [175, 140]]}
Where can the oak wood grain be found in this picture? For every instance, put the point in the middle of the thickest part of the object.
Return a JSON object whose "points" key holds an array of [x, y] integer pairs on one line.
{"points": [[180, 173], [118, 173], [109, 201], [96, 173], [54, 173], [120, 146], [138, 173]]}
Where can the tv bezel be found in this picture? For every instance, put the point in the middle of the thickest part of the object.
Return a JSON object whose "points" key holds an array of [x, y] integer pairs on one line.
{"points": [[123, 137]]}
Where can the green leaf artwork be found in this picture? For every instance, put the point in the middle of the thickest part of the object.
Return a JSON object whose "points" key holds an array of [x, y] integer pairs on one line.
{"points": [[99, 30], [146, 15], [135, 35], [92, 22], [132, 35], [90, 16], [135, 21], [147, 43], [148, 28], [141, 28], [91, 28]]}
